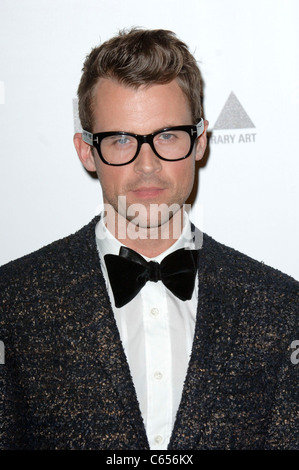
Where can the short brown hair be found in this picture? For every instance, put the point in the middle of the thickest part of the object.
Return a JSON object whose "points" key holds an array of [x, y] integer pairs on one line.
{"points": [[140, 57]]}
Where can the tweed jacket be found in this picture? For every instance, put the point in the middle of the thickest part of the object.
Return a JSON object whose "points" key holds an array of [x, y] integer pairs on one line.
{"points": [[66, 383]]}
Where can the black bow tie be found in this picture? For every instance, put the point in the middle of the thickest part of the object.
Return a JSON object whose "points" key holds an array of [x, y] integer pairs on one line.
{"points": [[129, 272]]}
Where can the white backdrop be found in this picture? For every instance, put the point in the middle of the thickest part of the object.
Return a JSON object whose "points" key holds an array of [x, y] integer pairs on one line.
{"points": [[248, 54]]}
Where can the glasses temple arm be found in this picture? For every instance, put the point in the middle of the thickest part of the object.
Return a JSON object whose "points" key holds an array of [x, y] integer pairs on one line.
{"points": [[200, 127], [87, 137]]}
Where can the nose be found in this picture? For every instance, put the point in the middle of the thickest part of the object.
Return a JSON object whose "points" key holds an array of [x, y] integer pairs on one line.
{"points": [[147, 161]]}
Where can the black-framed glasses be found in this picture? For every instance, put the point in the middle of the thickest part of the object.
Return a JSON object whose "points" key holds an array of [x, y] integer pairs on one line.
{"points": [[120, 148]]}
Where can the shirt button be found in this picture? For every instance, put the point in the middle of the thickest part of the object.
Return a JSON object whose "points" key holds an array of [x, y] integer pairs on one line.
{"points": [[158, 439], [155, 312], [158, 375]]}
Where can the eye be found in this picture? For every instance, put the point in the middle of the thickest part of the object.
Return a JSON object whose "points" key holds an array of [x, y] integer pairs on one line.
{"points": [[118, 140], [167, 137], [122, 140]]}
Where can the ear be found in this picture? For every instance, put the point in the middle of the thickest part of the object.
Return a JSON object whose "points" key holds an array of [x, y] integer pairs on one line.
{"points": [[84, 152], [201, 143]]}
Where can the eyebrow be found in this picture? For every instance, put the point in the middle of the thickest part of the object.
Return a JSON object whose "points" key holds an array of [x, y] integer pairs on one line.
{"points": [[152, 132]]}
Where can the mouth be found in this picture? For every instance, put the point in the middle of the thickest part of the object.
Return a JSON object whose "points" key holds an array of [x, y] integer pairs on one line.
{"points": [[148, 192]]}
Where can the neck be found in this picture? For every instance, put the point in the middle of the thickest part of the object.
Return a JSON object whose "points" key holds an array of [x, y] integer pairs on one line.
{"points": [[148, 241]]}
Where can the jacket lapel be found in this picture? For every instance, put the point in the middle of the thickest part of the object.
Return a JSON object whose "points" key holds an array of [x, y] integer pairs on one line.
{"points": [[211, 347], [103, 339], [114, 364]]}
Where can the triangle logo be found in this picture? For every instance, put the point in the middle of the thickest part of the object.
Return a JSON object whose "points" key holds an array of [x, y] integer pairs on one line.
{"points": [[233, 115]]}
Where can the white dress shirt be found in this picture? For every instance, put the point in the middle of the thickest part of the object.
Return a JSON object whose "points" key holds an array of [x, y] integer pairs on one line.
{"points": [[156, 329]]}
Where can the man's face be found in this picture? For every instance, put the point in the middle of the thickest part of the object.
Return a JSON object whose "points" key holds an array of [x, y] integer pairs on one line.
{"points": [[147, 180]]}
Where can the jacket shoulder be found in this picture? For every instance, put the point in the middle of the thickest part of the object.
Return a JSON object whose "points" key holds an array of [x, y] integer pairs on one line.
{"points": [[240, 269], [50, 266], [257, 293]]}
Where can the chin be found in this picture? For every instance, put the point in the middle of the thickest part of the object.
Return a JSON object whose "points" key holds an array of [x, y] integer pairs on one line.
{"points": [[154, 215]]}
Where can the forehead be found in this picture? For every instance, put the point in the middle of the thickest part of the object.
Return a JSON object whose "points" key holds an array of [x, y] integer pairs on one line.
{"points": [[120, 107]]}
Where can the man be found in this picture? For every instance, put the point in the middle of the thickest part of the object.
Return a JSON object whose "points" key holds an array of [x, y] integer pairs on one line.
{"points": [[138, 332]]}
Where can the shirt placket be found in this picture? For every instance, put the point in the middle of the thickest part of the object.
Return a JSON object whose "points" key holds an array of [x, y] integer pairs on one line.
{"points": [[158, 364]]}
